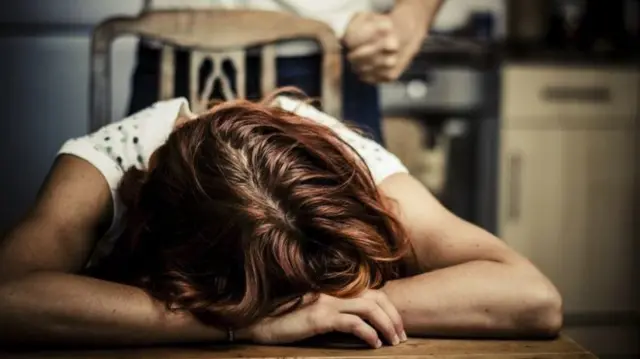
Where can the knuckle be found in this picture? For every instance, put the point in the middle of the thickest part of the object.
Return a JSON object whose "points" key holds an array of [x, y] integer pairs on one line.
{"points": [[352, 324], [369, 307], [325, 300], [372, 294], [378, 293], [391, 61], [362, 330], [384, 25], [367, 293], [393, 43]]}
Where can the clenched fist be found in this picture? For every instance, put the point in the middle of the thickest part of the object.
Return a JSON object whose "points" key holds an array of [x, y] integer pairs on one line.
{"points": [[381, 46]]}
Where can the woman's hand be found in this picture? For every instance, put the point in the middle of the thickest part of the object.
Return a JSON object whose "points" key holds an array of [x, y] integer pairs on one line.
{"points": [[364, 316]]}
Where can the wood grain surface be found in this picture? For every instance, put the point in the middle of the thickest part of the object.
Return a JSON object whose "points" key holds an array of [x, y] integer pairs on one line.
{"points": [[563, 348]]}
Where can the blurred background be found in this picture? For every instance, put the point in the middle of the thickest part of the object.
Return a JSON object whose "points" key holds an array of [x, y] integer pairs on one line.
{"points": [[521, 116]]}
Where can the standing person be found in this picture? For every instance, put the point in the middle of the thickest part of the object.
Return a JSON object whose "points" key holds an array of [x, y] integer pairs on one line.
{"points": [[377, 47]]}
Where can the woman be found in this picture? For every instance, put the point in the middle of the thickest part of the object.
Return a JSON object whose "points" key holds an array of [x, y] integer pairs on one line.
{"points": [[269, 222]]}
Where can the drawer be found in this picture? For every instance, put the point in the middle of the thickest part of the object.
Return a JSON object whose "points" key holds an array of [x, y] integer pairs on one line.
{"points": [[568, 92]]}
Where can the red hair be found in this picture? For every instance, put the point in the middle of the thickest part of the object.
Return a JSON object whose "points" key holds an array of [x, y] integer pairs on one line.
{"points": [[250, 207]]}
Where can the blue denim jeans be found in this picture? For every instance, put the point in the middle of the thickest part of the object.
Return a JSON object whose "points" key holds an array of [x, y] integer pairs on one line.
{"points": [[360, 100]]}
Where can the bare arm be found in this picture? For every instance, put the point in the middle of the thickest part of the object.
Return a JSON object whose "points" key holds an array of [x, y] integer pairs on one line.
{"points": [[42, 301], [422, 12], [467, 282]]}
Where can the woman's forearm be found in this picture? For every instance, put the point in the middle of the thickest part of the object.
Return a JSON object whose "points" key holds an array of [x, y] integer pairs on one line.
{"points": [[60, 309], [480, 299]]}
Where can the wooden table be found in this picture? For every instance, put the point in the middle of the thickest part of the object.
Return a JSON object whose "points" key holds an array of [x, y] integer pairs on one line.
{"points": [[562, 348]]}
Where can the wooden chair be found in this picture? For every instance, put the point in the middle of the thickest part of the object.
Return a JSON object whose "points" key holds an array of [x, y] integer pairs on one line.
{"points": [[215, 35]]}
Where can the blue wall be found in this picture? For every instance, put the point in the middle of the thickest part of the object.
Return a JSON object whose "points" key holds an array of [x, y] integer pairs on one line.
{"points": [[44, 68]]}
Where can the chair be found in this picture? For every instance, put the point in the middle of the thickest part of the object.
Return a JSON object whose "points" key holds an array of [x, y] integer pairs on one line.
{"points": [[216, 35]]}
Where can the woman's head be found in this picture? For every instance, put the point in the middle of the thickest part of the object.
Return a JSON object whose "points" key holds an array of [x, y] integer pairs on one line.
{"points": [[249, 207]]}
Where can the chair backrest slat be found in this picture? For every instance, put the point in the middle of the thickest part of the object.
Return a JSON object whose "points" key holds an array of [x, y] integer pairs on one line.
{"points": [[268, 69], [167, 73], [217, 35]]}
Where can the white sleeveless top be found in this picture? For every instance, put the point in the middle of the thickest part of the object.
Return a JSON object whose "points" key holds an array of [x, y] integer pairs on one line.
{"points": [[129, 143]]}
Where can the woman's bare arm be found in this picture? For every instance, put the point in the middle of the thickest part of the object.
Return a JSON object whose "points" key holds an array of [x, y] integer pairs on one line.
{"points": [[72, 209], [467, 282], [42, 301]]}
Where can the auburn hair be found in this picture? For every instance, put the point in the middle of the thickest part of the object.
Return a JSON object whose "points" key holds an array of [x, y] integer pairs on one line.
{"points": [[247, 209]]}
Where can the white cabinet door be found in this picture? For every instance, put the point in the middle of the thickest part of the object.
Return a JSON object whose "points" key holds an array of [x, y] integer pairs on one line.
{"points": [[597, 247], [530, 196], [567, 202]]}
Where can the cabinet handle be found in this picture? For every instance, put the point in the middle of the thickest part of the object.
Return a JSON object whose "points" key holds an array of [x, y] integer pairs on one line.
{"points": [[515, 183], [576, 94]]}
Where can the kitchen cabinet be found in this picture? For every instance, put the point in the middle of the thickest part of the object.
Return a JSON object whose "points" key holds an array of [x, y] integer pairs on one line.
{"points": [[568, 185], [530, 196], [568, 205], [598, 219]]}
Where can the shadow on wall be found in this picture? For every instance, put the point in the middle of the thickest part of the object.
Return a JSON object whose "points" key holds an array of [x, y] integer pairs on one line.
{"points": [[44, 67]]}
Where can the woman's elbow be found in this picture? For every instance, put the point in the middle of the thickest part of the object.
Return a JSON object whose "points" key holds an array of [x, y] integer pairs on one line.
{"points": [[543, 316]]}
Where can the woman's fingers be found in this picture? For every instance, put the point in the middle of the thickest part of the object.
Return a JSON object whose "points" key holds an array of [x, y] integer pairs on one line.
{"points": [[353, 324], [370, 310], [386, 305]]}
